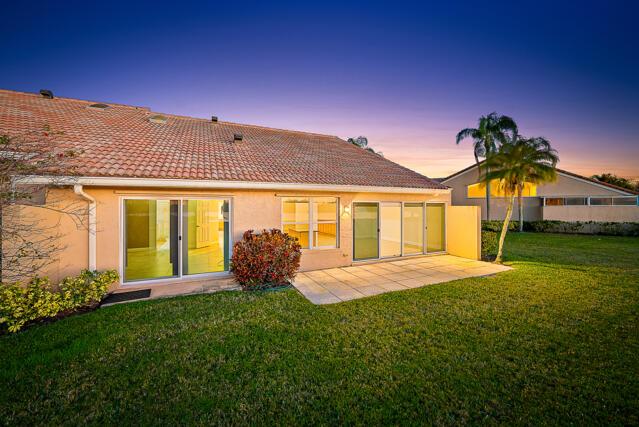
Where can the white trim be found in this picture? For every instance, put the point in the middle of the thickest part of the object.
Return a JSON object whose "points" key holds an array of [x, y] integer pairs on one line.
{"points": [[207, 184], [92, 227]]}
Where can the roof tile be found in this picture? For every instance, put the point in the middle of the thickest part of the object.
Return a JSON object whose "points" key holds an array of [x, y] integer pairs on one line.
{"points": [[120, 141]]}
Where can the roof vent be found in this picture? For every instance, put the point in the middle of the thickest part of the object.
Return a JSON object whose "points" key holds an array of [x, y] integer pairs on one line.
{"points": [[237, 137], [214, 119], [158, 119], [46, 93], [99, 106]]}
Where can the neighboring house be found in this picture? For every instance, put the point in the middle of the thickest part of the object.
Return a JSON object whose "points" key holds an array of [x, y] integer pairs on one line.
{"points": [[571, 197], [169, 195]]}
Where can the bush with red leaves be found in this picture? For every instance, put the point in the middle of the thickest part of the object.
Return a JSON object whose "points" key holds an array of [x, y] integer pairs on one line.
{"points": [[265, 260]]}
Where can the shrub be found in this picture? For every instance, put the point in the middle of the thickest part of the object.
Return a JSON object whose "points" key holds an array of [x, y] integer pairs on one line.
{"points": [[265, 260], [489, 243], [585, 227], [495, 226], [39, 300]]}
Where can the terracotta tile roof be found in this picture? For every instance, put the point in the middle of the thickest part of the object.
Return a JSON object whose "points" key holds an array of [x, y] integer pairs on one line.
{"points": [[120, 141]]}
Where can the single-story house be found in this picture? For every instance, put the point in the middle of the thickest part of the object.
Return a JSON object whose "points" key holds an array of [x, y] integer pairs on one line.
{"points": [[168, 195], [571, 197]]}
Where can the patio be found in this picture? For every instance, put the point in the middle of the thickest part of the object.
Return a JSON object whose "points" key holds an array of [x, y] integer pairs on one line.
{"points": [[344, 284]]}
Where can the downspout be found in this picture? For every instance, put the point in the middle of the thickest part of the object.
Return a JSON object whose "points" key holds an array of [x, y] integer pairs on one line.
{"points": [[77, 189]]}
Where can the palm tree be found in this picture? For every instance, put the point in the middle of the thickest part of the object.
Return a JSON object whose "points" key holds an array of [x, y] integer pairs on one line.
{"points": [[492, 131], [522, 160]]}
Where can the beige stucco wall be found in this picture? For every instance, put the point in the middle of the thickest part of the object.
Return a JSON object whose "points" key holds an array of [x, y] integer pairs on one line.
{"points": [[592, 213], [463, 231], [498, 206], [250, 209], [564, 186], [569, 186]]}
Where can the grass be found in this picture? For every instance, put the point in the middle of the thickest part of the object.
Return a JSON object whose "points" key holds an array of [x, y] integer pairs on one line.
{"points": [[556, 341]]}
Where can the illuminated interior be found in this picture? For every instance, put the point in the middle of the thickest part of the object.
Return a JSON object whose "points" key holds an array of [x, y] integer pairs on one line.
{"points": [[496, 190], [391, 229], [299, 219], [413, 228], [152, 238], [205, 236]]}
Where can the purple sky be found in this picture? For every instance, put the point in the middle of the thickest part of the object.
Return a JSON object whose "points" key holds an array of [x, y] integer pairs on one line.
{"points": [[406, 75]]}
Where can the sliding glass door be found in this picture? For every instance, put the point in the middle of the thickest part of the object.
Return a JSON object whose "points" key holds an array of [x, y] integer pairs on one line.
{"points": [[393, 229], [205, 236], [150, 239], [365, 230], [390, 230], [435, 227], [173, 238], [413, 233]]}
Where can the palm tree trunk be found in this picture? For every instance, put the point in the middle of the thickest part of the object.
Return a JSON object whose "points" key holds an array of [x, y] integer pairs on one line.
{"points": [[521, 208], [487, 200], [504, 227]]}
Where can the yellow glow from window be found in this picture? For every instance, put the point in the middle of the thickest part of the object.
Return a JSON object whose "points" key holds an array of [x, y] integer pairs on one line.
{"points": [[496, 190]]}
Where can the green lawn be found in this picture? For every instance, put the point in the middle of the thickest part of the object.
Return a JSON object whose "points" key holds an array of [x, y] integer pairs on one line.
{"points": [[554, 341]]}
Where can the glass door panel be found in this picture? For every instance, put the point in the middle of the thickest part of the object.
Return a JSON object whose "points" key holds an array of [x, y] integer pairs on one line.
{"points": [[205, 236], [365, 230], [413, 228], [435, 227], [150, 239], [391, 229]]}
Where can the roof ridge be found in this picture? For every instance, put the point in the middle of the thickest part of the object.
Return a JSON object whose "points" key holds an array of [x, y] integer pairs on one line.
{"points": [[179, 116], [87, 101]]}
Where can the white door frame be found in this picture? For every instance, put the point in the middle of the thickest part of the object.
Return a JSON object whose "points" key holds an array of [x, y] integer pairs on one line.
{"points": [[181, 276]]}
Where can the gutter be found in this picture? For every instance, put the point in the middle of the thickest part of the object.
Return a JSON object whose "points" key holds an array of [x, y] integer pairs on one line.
{"points": [[212, 184], [77, 189]]}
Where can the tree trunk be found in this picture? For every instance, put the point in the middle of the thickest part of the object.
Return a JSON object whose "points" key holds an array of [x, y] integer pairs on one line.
{"points": [[487, 200], [504, 228], [1, 241], [521, 208]]}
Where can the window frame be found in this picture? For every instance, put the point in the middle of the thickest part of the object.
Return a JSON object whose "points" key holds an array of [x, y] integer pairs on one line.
{"points": [[312, 221], [181, 276]]}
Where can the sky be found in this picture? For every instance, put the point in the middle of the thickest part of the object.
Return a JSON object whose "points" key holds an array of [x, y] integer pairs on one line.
{"points": [[406, 75]]}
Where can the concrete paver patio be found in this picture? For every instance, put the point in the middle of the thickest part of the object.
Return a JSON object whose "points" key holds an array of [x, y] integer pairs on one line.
{"points": [[344, 284]]}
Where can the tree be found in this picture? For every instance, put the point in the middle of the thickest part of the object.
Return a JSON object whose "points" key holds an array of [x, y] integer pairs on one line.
{"points": [[619, 181], [26, 243], [515, 163], [492, 131], [362, 142]]}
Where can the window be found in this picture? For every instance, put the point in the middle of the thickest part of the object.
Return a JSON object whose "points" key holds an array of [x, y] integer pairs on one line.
{"points": [[554, 201], [313, 221], [601, 201], [496, 190], [624, 201], [576, 201]]}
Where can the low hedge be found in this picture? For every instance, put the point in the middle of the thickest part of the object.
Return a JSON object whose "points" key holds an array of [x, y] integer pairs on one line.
{"points": [[40, 300], [577, 227]]}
